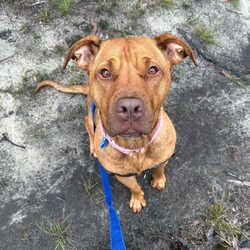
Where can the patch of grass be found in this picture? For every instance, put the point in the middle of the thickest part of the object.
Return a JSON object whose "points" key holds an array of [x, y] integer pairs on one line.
{"points": [[185, 6], [94, 195], [221, 223], [88, 185], [234, 78], [166, 3], [58, 231], [134, 16], [10, 3], [100, 9], [70, 113], [235, 3], [22, 201], [26, 235], [45, 15], [68, 116], [63, 5], [217, 224], [24, 87], [80, 77], [206, 34], [15, 5], [60, 49], [108, 8], [239, 81], [39, 77], [114, 3], [87, 28], [36, 134], [26, 28], [103, 24], [178, 73]]}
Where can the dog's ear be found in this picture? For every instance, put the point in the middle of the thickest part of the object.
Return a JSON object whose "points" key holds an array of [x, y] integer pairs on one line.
{"points": [[174, 48], [83, 51]]}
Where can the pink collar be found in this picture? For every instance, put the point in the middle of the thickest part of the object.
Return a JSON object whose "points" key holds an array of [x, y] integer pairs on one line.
{"points": [[126, 150]]}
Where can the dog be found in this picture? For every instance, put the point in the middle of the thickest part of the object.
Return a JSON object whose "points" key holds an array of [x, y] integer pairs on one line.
{"points": [[129, 79]]}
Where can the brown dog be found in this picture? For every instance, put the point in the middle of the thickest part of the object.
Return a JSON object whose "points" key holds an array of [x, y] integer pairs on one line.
{"points": [[129, 79]]}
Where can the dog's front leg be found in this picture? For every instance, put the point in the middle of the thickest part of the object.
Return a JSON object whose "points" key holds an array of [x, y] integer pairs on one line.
{"points": [[137, 200], [159, 178], [90, 130]]}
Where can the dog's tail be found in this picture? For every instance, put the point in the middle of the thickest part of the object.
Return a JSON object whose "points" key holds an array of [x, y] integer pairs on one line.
{"points": [[76, 89]]}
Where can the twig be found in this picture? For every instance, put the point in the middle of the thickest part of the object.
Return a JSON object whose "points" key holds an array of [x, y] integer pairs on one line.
{"points": [[141, 5], [235, 176], [233, 11], [240, 183], [5, 138], [177, 238], [37, 3], [60, 198], [94, 24], [6, 58], [83, 22]]}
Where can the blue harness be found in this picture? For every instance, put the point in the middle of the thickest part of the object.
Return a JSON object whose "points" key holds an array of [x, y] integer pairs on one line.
{"points": [[117, 241]]}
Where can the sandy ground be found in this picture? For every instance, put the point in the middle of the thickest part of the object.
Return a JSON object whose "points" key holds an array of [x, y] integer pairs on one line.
{"points": [[46, 171]]}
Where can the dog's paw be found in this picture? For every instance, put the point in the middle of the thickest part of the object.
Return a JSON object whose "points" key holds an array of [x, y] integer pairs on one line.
{"points": [[137, 202], [159, 183]]}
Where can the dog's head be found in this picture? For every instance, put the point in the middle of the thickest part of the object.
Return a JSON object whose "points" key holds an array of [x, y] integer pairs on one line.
{"points": [[129, 78]]}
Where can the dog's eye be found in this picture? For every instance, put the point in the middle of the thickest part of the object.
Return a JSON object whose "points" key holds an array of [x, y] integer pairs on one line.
{"points": [[153, 70], [105, 73]]}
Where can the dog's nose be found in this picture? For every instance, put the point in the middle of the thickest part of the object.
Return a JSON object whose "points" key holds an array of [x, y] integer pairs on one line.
{"points": [[130, 108]]}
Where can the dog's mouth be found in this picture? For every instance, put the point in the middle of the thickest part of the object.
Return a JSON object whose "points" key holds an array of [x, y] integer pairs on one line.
{"points": [[130, 133], [127, 129]]}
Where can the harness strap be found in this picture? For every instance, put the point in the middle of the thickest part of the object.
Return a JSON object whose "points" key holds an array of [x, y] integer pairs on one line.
{"points": [[117, 241], [133, 174]]}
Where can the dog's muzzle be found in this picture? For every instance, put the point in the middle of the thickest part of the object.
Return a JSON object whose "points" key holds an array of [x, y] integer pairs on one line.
{"points": [[129, 118]]}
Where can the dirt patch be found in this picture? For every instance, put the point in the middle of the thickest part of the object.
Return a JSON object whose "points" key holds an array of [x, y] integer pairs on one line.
{"points": [[46, 171]]}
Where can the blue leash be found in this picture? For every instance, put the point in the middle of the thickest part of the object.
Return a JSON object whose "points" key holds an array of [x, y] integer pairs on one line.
{"points": [[117, 241]]}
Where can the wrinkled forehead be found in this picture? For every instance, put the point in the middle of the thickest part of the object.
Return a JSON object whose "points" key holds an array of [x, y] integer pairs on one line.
{"points": [[133, 49]]}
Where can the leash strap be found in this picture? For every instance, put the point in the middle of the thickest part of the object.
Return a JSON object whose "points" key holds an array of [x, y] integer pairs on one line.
{"points": [[117, 241]]}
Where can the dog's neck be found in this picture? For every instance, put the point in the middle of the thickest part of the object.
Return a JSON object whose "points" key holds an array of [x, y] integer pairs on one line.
{"points": [[131, 145]]}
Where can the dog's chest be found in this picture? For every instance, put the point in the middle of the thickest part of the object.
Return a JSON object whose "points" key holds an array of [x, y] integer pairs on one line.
{"points": [[126, 164]]}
